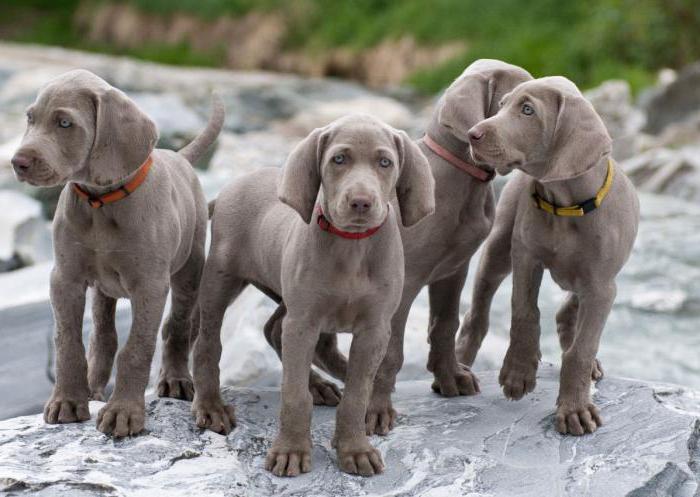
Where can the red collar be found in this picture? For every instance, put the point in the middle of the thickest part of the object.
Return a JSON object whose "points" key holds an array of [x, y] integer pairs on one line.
{"points": [[326, 225], [460, 164], [122, 192]]}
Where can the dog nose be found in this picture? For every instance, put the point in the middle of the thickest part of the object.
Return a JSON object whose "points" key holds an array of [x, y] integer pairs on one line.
{"points": [[21, 162], [360, 204], [475, 134]]}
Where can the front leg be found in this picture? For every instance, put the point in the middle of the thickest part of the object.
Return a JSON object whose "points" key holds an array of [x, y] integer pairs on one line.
{"points": [[290, 453], [124, 414], [451, 378], [69, 400], [355, 454], [518, 374], [576, 413]]}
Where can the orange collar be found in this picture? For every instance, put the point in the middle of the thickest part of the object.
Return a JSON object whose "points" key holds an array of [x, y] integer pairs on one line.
{"points": [[460, 164], [122, 192], [326, 225]]}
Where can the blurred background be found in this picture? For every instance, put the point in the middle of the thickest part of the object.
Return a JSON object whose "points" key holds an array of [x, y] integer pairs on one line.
{"points": [[285, 67]]}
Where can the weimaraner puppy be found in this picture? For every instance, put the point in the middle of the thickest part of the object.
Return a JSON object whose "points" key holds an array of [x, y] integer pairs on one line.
{"points": [[343, 272], [131, 223], [570, 210], [438, 251]]}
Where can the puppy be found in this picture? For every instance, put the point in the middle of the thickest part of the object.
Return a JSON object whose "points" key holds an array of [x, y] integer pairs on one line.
{"points": [[570, 210], [130, 223], [438, 251], [322, 234]]}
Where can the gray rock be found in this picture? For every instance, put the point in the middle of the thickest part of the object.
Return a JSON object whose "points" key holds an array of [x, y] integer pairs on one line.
{"points": [[674, 101], [25, 235], [483, 445], [613, 102], [667, 171]]}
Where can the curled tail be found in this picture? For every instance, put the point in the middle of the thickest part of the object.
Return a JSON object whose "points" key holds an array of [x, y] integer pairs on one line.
{"points": [[196, 148]]}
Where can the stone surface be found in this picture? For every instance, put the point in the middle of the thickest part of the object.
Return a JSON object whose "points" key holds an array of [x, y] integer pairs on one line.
{"points": [[478, 446], [24, 233], [674, 101]]}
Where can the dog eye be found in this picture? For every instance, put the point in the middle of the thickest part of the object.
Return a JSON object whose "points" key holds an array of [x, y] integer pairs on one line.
{"points": [[65, 123], [384, 162], [528, 110], [30, 118], [339, 158]]}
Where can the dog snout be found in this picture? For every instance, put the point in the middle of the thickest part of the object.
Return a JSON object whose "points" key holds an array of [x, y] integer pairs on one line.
{"points": [[475, 134], [21, 162], [360, 204]]}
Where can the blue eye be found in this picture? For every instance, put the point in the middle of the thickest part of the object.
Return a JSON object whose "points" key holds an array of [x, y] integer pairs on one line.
{"points": [[384, 162], [528, 110], [339, 158], [65, 123]]}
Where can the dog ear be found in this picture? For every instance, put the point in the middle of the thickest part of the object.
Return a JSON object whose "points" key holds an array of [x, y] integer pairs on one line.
{"points": [[124, 137], [476, 94], [301, 174], [579, 138], [415, 188], [464, 104]]}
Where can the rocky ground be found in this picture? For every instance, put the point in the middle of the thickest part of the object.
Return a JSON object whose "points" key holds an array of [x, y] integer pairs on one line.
{"points": [[651, 334], [481, 446]]}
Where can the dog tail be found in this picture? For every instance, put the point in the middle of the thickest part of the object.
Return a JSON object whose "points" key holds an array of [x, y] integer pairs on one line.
{"points": [[196, 148], [211, 206]]}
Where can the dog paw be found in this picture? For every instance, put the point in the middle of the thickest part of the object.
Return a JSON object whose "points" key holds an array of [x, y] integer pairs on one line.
{"points": [[61, 410], [176, 386], [597, 372], [517, 377], [359, 458], [214, 415], [460, 381], [577, 420], [380, 417], [288, 459], [324, 393], [121, 418]]}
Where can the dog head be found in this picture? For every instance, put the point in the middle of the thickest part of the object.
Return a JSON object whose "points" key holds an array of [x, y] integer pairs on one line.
{"points": [[359, 162], [545, 128], [82, 129]]}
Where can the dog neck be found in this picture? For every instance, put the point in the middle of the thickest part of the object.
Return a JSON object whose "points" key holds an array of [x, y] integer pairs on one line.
{"points": [[574, 190], [97, 197], [443, 143]]}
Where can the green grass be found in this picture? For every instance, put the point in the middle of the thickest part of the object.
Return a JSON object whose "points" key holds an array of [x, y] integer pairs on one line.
{"points": [[586, 41]]}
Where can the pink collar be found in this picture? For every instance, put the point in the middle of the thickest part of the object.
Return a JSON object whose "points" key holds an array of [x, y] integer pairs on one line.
{"points": [[326, 225], [460, 164]]}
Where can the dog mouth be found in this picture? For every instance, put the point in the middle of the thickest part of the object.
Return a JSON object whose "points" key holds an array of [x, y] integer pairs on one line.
{"points": [[38, 176]]}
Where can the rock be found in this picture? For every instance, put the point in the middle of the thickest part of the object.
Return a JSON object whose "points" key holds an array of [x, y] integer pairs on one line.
{"points": [[613, 102], [483, 445], [667, 171], [674, 101], [25, 236]]}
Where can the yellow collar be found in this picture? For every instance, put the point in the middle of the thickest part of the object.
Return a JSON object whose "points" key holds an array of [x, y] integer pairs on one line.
{"points": [[584, 207]]}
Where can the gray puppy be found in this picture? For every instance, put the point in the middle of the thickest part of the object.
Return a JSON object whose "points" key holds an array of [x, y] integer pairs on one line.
{"points": [[343, 272], [437, 251], [131, 224], [571, 211]]}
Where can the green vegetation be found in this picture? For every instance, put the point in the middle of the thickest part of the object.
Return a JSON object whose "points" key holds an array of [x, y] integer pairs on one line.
{"points": [[586, 41]]}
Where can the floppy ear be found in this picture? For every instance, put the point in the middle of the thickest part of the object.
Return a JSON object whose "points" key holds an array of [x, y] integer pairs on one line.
{"points": [[579, 139], [124, 137], [301, 174], [415, 188], [464, 104]]}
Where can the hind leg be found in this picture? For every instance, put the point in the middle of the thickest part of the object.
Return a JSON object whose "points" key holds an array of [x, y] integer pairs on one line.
{"points": [[103, 344], [219, 287], [175, 380], [566, 329], [323, 392]]}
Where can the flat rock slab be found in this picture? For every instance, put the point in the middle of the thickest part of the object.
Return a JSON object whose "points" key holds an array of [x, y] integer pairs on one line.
{"points": [[483, 445]]}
